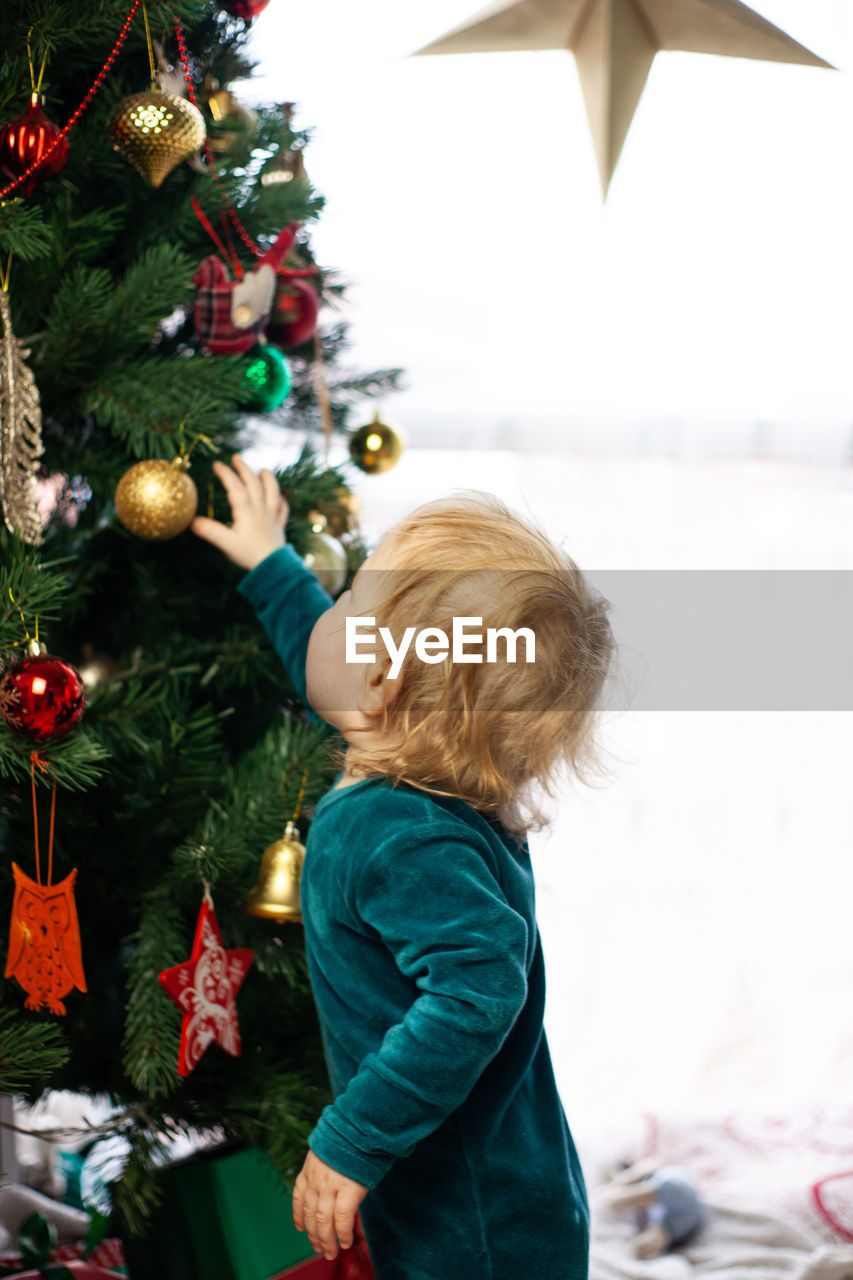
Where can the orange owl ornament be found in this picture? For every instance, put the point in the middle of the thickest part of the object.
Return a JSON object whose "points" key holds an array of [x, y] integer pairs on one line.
{"points": [[44, 941], [44, 935]]}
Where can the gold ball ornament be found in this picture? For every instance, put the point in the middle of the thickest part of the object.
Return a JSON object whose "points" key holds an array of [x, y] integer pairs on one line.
{"points": [[156, 499], [155, 132], [96, 669], [377, 446], [325, 556]]}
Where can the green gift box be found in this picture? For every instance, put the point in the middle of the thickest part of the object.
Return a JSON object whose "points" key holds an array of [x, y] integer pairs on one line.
{"points": [[223, 1218]]}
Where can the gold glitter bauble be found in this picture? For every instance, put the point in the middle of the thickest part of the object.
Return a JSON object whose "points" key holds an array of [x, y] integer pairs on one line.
{"points": [[155, 131], [156, 499], [376, 447]]}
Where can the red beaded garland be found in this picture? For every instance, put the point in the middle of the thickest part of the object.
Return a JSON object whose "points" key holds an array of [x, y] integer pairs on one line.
{"points": [[42, 697]]}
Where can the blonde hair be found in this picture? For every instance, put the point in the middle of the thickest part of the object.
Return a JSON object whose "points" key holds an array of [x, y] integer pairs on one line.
{"points": [[489, 732]]}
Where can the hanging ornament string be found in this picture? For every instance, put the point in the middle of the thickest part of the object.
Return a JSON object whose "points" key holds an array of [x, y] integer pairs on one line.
{"points": [[36, 87], [226, 230], [183, 452], [95, 86], [28, 639], [298, 808], [151, 60], [322, 393], [35, 759], [208, 226]]}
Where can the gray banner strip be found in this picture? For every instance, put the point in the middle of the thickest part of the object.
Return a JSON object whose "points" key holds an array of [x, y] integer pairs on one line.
{"points": [[730, 640], [686, 639]]}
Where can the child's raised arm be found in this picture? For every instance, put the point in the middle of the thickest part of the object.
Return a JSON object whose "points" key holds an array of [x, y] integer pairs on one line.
{"points": [[285, 594], [259, 511]]}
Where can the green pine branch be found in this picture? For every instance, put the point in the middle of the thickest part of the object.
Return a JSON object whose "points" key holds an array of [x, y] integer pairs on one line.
{"points": [[29, 1051]]}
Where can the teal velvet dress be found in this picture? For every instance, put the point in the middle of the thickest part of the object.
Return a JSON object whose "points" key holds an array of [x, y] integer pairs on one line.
{"points": [[427, 972]]}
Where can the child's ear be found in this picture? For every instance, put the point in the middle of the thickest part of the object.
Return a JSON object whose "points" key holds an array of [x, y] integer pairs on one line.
{"points": [[378, 691]]}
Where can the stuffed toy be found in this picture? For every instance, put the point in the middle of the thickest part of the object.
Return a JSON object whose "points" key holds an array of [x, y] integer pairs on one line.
{"points": [[230, 315], [294, 312], [670, 1209]]}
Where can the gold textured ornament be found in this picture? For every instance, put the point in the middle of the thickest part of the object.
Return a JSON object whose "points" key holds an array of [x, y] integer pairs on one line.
{"points": [[341, 511], [156, 499], [155, 131], [377, 446], [276, 896], [20, 433], [325, 556]]}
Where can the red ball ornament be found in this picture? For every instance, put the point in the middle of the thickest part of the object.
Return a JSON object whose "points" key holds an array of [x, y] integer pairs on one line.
{"points": [[42, 697], [25, 140], [294, 313], [247, 9]]}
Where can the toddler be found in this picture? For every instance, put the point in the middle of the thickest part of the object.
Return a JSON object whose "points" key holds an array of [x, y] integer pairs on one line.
{"points": [[447, 1132]]}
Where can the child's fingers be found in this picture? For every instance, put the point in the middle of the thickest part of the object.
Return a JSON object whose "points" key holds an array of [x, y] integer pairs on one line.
{"points": [[273, 498], [219, 535], [344, 1222], [299, 1204], [254, 488], [234, 487], [324, 1225]]}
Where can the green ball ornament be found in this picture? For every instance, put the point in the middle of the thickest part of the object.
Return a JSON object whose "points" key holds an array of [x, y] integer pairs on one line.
{"points": [[267, 379]]}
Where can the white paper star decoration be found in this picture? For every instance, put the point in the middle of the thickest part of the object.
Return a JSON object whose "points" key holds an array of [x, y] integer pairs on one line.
{"points": [[615, 42]]}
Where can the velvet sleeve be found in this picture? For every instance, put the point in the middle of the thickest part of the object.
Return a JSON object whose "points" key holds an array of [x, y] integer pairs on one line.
{"points": [[288, 600], [434, 900]]}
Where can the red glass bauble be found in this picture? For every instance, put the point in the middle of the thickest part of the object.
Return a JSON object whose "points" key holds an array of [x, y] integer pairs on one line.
{"points": [[294, 313], [247, 9], [42, 697], [25, 140]]}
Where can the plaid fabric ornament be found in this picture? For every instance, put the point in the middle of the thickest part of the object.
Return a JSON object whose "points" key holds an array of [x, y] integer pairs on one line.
{"points": [[230, 315]]}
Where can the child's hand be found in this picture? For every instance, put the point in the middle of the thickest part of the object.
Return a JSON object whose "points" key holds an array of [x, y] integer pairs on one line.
{"points": [[325, 1202], [259, 513]]}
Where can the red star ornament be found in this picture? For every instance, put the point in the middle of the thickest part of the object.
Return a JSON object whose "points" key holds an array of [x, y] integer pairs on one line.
{"points": [[205, 990]]}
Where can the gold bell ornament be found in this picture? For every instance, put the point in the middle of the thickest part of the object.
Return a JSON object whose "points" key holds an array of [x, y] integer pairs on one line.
{"points": [[325, 556], [276, 895], [377, 446], [156, 131], [156, 499]]}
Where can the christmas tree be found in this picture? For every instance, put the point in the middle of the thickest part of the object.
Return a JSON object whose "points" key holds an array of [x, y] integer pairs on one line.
{"points": [[193, 751]]}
